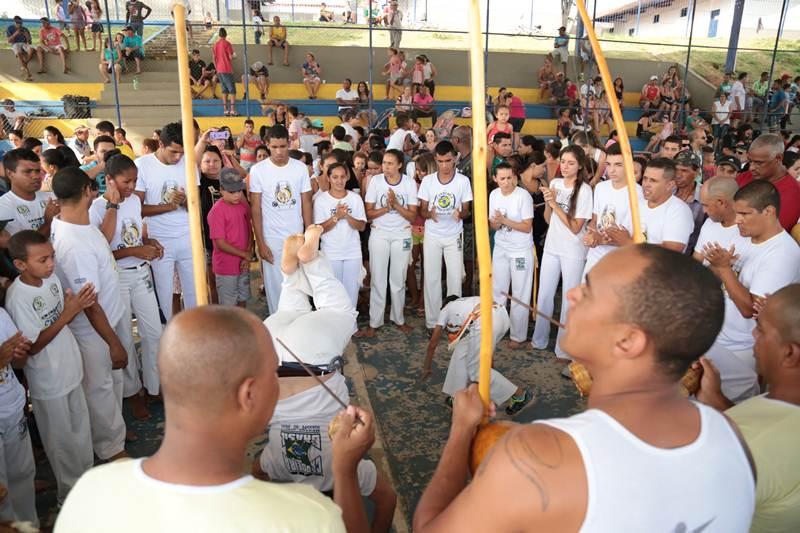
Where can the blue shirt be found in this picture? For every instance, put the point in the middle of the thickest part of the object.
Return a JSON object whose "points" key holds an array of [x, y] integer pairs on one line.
{"points": [[777, 99], [23, 37], [133, 42], [100, 178]]}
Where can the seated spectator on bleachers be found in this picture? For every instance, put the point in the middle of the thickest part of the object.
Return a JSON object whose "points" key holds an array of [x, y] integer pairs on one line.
{"points": [[80, 143], [52, 42], [346, 97], [667, 128], [759, 93], [546, 76], [312, 72], [11, 118], [197, 77], [132, 48], [277, 39], [19, 37], [259, 74], [695, 121], [111, 61], [423, 105], [650, 95], [325, 14], [558, 92]]}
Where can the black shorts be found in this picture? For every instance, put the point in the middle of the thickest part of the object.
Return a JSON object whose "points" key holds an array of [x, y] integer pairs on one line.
{"points": [[516, 124], [97, 27]]}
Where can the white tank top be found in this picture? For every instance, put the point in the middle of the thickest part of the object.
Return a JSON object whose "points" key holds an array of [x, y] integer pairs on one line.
{"points": [[632, 486]]}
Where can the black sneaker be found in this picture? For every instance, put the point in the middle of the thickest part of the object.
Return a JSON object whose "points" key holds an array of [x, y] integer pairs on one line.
{"points": [[515, 404]]}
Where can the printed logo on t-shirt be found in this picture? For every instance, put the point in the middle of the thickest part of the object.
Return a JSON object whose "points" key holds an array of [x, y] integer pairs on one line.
{"points": [[129, 234], [54, 290], [284, 197], [383, 201], [23, 210], [608, 217], [503, 227], [445, 203], [38, 304], [302, 449], [168, 190]]}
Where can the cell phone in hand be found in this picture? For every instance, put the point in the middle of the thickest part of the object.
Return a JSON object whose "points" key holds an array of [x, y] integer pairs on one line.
{"points": [[219, 135]]}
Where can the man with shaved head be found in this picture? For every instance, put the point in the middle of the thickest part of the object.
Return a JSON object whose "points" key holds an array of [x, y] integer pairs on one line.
{"points": [[770, 423], [636, 324], [769, 262], [716, 197], [218, 374], [766, 163]]}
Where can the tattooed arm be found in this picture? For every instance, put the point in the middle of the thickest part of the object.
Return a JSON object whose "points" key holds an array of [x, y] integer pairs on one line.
{"points": [[532, 480]]}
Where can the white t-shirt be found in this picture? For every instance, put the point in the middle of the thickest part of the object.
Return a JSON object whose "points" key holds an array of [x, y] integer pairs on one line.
{"points": [[84, 256], [561, 241], [349, 130], [737, 89], [342, 241], [23, 214], [405, 192], [58, 368], [726, 237], [245, 505], [12, 395], [671, 221], [347, 96], [721, 112], [445, 199], [517, 206], [156, 180], [611, 207], [766, 268], [281, 201], [128, 232], [398, 138]]}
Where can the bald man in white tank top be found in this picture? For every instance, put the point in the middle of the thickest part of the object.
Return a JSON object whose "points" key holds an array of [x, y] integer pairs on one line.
{"points": [[642, 457]]}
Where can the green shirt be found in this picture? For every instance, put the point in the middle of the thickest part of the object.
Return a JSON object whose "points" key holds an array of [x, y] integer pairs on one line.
{"points": [[760, 87]]}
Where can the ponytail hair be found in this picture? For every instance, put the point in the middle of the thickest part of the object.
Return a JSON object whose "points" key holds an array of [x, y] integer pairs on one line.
{"points": [[582, 177]]}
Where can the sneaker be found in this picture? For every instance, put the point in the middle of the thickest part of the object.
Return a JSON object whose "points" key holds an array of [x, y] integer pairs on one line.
{"points": [[515, 404], [448, 401], [566, 372]]}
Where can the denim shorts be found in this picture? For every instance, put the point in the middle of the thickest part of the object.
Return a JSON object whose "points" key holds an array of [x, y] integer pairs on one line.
{"points": [[226, 82]]}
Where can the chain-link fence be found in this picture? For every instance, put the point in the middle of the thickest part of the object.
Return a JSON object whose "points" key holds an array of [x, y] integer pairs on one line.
{"points": [[701, 39]]}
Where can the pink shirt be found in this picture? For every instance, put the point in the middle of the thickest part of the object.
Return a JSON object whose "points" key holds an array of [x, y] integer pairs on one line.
{"points": [[230, 222], [222, 53], [51, 36], [423, 99], [517, 109]]}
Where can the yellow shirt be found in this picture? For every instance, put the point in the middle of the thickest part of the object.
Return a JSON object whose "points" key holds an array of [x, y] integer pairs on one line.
{"points": [[120, 497], [771, 429], [278, 33], [126, 150]]}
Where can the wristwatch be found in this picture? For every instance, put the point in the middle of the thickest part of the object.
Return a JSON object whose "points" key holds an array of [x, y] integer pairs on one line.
{"points": [[111, 205]]}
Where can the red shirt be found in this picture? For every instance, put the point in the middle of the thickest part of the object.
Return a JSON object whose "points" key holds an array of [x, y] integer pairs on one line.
{"points": [[51, 36], [789, 190], [652, 92], [517, 109], [572, 91], [230, 222], [222, 53]]}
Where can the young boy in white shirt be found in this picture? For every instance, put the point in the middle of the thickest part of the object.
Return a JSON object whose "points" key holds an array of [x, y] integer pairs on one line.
{"points": [[54, 368], [118, 215], [83, 255], [511, 216], [445, 198], [17, 468]]}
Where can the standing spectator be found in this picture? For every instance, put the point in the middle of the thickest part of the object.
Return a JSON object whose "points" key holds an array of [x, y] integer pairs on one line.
{"points": [[423, 105], [78, 19], [395, 22], [777, 106], [561, 48], [96, 21], [258, 24], [393, 70], [231, 231], [568, 206], [720, 118], [277, 39], [760, 96], [223, 55], [517, 115], [280, 196], [135, 14], [133, 48], [444, 201], [247, 143], [161, 188], [312, 72], [346, 97], [546, 76], [738, 99], [342, 216], [619, 92], [19, 37], [53, 42], [428, 74], [501, 124], [765, 155], [586, 54], [111, 61]]}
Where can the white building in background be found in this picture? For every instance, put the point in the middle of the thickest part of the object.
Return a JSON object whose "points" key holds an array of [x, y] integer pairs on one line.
{"points": [[713, 18]]}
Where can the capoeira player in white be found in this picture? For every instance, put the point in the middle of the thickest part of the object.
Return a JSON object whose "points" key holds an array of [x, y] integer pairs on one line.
{"points": [[299, 447], [461, 318]]}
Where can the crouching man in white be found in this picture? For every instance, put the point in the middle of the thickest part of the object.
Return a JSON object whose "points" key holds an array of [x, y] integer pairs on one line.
{"points": [[299, 447]]}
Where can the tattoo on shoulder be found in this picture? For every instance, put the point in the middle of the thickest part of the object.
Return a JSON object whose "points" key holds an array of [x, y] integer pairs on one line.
{"points": [[530, 458]]}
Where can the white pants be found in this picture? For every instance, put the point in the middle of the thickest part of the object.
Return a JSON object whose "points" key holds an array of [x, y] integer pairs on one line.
{"points": [[554, 268], [514, 269], [389, 253], [433, 248], [67, 438], [177, 256], [737, 372], [348, 271], [103, 389], [315, 336], [139, 298], [17, 470], [272, 275], [465, 361]]}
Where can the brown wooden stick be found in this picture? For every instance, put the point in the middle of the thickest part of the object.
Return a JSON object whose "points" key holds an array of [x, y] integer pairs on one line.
{"points": [[550, 319], [312, 374]]}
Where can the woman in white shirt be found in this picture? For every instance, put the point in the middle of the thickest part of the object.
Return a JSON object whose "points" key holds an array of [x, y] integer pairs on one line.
{"points": [[391, 205], [341, 214], [511, 216], [721, 118], [568, 206]]}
